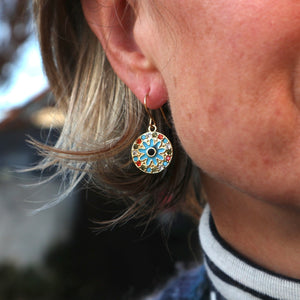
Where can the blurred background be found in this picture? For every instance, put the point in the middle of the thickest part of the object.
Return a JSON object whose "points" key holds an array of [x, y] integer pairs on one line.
{"points": [[57, 253]]}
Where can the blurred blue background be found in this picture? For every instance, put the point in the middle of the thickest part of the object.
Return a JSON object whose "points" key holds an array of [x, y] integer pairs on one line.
{"points": [[22, 78]]}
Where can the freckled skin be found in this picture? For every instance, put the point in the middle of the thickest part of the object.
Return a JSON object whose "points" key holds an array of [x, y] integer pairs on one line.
{"points": [[232, 85]]}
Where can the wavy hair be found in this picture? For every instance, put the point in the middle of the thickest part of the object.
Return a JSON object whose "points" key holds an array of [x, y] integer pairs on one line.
{"points": [[103, 118]]}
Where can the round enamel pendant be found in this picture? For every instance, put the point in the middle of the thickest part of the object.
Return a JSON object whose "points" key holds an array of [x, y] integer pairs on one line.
{"points": [[152, 152]]}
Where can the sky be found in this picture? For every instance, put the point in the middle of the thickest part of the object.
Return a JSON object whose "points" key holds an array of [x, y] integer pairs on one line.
{"points": [[27, 80]]}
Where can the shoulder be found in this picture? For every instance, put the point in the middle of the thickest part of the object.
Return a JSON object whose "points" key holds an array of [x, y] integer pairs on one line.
{"points": [[190, 285]]}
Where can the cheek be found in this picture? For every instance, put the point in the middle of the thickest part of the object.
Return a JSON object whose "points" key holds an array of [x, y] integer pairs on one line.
{"points": [[229, 81], [253, 148]]}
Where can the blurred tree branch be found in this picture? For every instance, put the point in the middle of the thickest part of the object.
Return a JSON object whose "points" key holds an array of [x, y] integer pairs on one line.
{"points": [[15, 20]]}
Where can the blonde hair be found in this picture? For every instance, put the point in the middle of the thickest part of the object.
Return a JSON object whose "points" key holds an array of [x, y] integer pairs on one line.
{"points": [[103, 117]]}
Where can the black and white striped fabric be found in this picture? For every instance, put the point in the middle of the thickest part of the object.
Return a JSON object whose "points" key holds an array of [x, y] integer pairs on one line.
{"points": [[236, 278]]}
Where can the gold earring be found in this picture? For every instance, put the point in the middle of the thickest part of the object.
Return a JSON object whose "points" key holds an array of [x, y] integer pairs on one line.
{"points": [[152, 151]]}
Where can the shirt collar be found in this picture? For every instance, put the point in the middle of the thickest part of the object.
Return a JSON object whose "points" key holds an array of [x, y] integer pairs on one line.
{"points": [[234, 276]]}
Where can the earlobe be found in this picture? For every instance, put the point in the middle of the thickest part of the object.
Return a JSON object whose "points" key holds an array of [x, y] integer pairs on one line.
{"points": [[113, 22]]}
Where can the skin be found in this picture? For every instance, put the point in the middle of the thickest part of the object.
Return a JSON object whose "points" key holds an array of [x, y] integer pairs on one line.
{"points": [[230, 70]]}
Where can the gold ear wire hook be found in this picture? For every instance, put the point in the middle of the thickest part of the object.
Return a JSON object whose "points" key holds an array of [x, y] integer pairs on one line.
{"points": [[151, 121], [152, 124], [164, 116]]}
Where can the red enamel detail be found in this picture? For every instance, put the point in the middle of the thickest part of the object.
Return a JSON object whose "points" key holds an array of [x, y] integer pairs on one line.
{"points": [[160, 136], [138, 163], [138, 141], [168, 158]]}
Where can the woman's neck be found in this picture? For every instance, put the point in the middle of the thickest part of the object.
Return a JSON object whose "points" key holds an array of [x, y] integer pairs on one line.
{"points": [[265, 233]]}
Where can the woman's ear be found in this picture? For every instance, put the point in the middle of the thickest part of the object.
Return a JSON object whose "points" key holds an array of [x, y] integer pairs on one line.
{"points": [[113, 22]]}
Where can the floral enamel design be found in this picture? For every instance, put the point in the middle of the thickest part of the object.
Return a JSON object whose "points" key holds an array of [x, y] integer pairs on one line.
{"points": [[152, 152]]}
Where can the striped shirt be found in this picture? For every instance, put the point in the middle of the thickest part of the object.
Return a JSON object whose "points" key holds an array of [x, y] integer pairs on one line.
{"points": [[235, 277], [227, 275]]}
